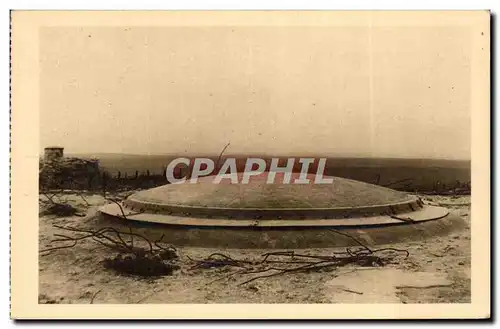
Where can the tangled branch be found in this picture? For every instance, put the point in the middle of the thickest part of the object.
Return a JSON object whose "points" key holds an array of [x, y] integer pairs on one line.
{"points": [[279, 263], [136, 253]]}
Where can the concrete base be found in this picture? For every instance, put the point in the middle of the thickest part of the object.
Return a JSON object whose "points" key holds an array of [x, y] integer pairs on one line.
{"points": [[281, 220], [286, 237]]}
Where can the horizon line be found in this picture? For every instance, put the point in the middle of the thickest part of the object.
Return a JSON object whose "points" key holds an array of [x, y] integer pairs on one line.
{"points": [[297, 155]]}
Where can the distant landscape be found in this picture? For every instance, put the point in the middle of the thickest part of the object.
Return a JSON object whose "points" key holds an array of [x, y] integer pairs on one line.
{"points": [[424, 175]]}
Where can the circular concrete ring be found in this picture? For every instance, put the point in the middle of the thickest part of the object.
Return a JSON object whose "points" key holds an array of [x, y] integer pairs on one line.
{"points": [[323, 235]]}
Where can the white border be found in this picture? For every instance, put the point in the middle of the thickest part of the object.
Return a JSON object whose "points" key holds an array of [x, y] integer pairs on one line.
{"points": [[148, 4]]}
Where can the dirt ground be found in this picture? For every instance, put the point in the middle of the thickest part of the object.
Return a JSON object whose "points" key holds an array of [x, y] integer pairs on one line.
{"points": [[436, 271]]}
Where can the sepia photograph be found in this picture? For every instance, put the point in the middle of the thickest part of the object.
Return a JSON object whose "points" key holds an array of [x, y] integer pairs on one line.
{"points": [[305, 158]]}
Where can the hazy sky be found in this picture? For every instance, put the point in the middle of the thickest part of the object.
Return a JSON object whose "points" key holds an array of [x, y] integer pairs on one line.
{"points": [[394, 91]]}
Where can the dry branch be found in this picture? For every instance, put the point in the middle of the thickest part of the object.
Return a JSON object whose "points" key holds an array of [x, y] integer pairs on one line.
{"points": [[279, 263], [94, 296], [152, 260], [220, 155]]}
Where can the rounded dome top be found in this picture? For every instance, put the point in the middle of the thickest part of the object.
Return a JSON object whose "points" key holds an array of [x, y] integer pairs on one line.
{"points": [[259, 199]]}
